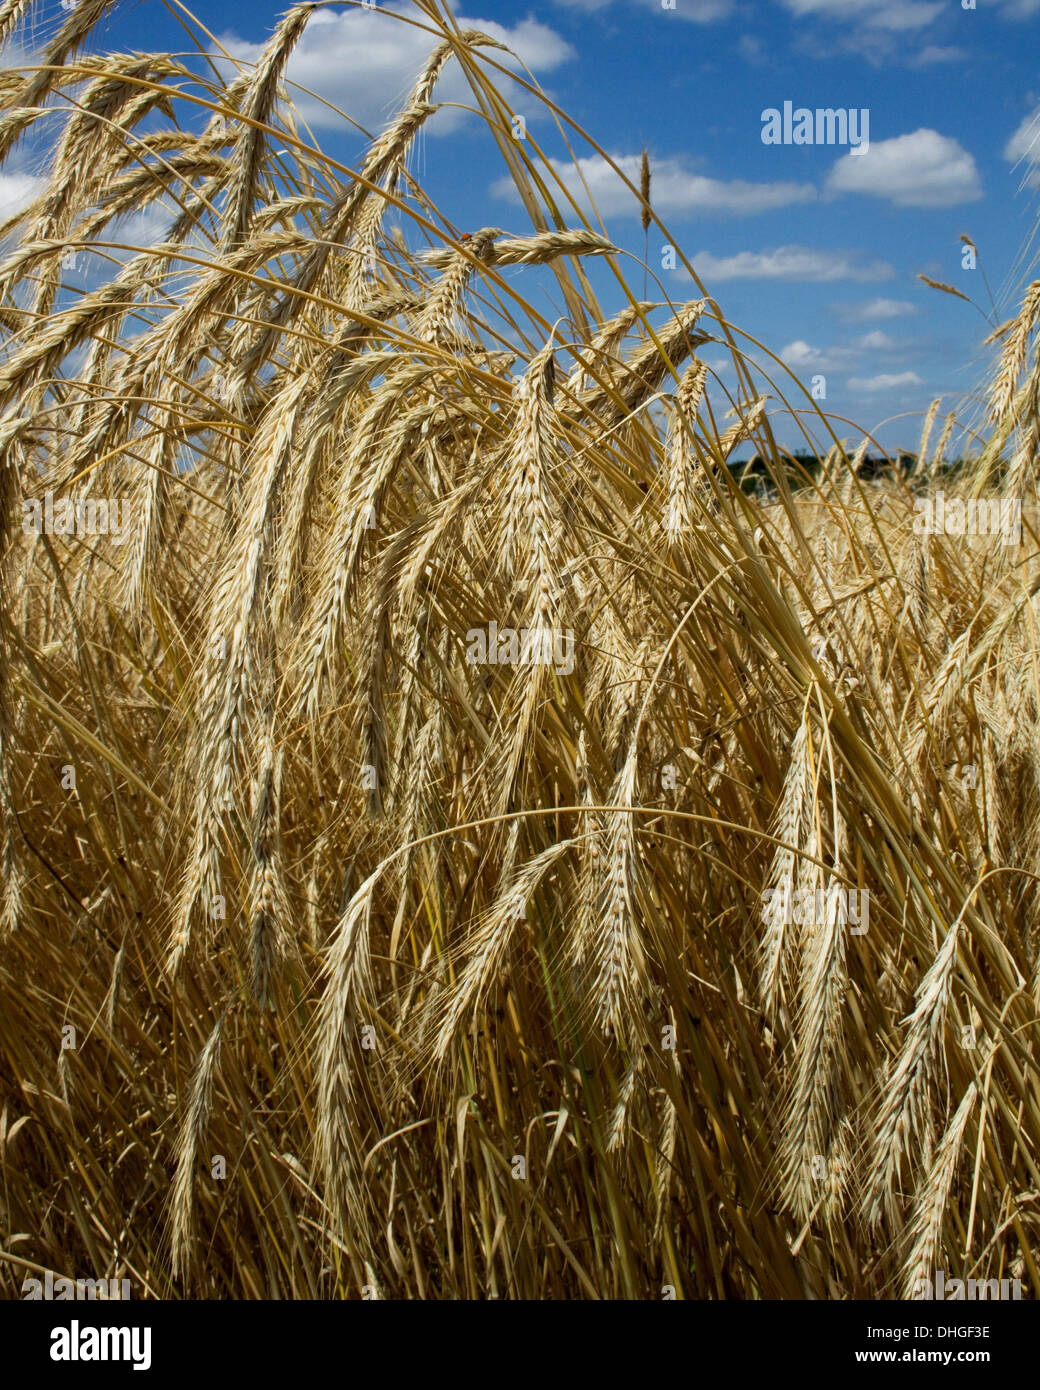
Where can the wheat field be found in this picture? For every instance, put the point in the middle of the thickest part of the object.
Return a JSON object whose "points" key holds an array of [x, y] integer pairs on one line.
{"points": [[413, 739]]}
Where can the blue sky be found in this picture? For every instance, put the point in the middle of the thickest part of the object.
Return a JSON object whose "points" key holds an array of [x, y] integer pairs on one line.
{"points": [[811, 248]]}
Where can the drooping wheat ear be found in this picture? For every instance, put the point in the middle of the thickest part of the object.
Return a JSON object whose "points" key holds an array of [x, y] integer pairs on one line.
{"points": [[967, 664], [13, 462], [857, 462], [599, 355], [523, 700], [940, 448], [434, 65], [94, 147], [616, 952], [847, 477], [679, 508], [839, 1169], [926, 434], [649, 364], [1014, 355], [201, 876], [529, 250], [967, 653], [901, 1112], [389, 151], [63, 332], [26, 258], [362, 265], [824, 582], [812, 1104], [13, 891], [237, 634], [528, 524], [341, 1015], [379, 656], [189, 1144], [416, 798], [664, 1171], [914, 569], [1022, 469], [379, 439], [269, 911], [10, 837], [321, 432], [257, 103], [150, 513], [991, 790], [484, 949], [628, 682], [592, 842], [793, 819], [448, 517], [438, 319], [413, 725], [112, 1002], [737, 433], [926, 1223], [383, 166], [12, 12], [32, 98], [617, 1128]]}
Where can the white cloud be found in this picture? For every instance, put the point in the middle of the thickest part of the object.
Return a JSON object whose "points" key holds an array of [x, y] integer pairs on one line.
{"points": [[923, 169], [752, 49], [875, 341], [800, 354], [800, 357], [934, 53], [1016, 9], [721, 366], [366, 60], [697, 11], [790, 263], [675, 191], [875, 309], [887, 381], [1024, 146], [17, 191], [894, 15]]}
